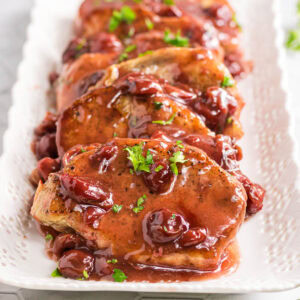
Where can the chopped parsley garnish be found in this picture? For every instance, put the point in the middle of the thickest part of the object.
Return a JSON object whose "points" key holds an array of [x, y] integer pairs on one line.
{"points": [[85, 274], [81, 44], [56, 273], [131, 171], [149, 24], [48, 237], [115, 134], [169, 122], [177, 158], [169, 2], [112, 261], [227, 82], [127, 50], [229, 120], [158, 105], [126, 14], [82, 150], [293, 39], [119, 275], [177, 40], [139, 204], [117, 208], [131, 32], [173, 216], [165, 229], [234, 19], [145, 53], [179, 144], [139, 162], [158, 168]]}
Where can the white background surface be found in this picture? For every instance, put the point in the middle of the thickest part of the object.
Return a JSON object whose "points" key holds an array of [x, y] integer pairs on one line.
{"points": [[14, 17]]}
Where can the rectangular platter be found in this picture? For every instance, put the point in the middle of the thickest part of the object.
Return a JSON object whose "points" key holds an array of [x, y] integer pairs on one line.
{"points": [[269, 242]]}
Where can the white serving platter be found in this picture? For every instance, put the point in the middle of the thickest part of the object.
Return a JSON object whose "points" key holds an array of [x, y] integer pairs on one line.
{"points": [[269, 242]]}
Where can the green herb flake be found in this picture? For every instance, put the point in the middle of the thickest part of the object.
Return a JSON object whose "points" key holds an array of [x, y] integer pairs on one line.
{"points": [[137, 1], [126, 14], [158, 168], [112, 261], [165, 229], [139, 162], [56, 273], [119, 275], [177, 40], [169, 122], [173, 216], [139, 204], [149, 24], [48, 237], [117, 208], [131, 171], [177, 158], [169, 2], [229, 120], [130, 48], [85, 274], [234, 19], [115, 134], [293, 40], [81, 44], [179, 144], [158, 105], [82, 150], [145, 53], [131, 32], [227, 82], [123, 57]]}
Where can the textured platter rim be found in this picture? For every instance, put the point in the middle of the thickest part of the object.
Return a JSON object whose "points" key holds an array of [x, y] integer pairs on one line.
{"points": [[192, 287]]}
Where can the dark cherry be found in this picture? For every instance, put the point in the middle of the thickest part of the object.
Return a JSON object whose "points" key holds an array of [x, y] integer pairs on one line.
{"points": [[216, 106], [89, 81], [66, 241], [193, 237], [256, 196], [139, 84], [46, 146], [92, 215], [46, 166], [85, 191], [48, 125], [103, 157], [105, 43], [73, 263], [76, 48], [164, 226], [158, 181], [220, 14]]}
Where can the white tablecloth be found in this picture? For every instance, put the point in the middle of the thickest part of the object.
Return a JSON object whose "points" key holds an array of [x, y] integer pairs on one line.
{"points": [[14, 18]]}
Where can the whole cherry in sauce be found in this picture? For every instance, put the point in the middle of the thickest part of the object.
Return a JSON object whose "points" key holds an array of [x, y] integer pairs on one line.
{"points": [[159, 177], [46, 146], [66, 241], [164, 226], [46, 166], [76, 264], [193, 237], [103, 157], [85, 191], [92, 215]]}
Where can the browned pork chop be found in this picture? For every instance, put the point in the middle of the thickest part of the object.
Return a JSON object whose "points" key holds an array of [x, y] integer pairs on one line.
{"points": [[177, 201]]}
